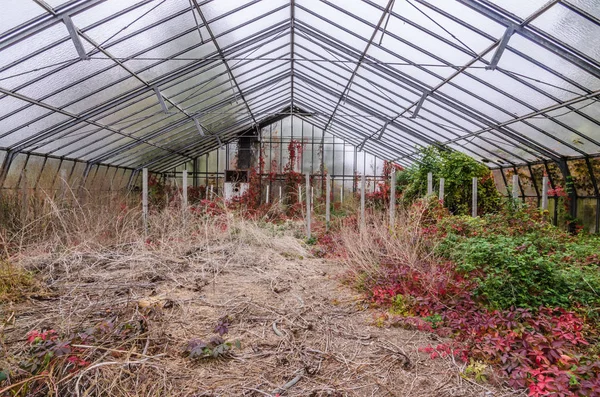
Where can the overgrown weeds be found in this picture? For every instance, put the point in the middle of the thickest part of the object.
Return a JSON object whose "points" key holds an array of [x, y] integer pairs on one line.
{"points": [[511, 289], [16, 284]]}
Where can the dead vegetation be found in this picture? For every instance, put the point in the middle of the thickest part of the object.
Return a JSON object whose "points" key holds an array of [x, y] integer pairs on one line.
{"points": [[121, 309]]}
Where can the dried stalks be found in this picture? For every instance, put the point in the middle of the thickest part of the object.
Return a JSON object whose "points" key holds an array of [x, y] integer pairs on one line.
{"points": [[301, 333]]}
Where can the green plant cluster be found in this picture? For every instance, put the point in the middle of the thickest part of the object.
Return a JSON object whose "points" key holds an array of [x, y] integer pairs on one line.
{"points": [[458, 170], [519, 262]]}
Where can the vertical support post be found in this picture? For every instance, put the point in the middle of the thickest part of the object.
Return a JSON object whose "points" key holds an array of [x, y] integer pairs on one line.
{"points": [[267, 196], [24, 196], [429, 184], [145, 199], [515, 187], [545, 193], [63, 184], [474, 214], [362, 203], [195, 172], [342, 192], [280, 195], [441, 195], [212, 196], [299, 193], [184, 190], [327, 201], [393, 200], [308, 205], [86, 173]]}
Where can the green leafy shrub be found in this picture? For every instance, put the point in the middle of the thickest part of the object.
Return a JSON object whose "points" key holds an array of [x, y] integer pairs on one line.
{"points": [[517, 261], [458, 170]]}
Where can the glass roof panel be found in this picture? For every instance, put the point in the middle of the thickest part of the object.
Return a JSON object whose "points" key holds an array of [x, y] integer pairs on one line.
{"points": [[590, 6], [238, 30], [521, 9], [311, 18], [538, 96], [424, 40], [15, 13], [424, 44], [38, 65], [437, 24], [104, 95], [553, 130], [549, 60], [337, 16], [571, 28], [32, 128], [429, 76]]}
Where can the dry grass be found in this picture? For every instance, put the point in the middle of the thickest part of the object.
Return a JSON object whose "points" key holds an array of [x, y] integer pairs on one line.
{"points": [[302, 334], [377, 245]]}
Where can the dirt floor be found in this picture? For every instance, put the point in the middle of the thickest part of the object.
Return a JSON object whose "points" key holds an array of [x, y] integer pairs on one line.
{"points": [[302, 332]]}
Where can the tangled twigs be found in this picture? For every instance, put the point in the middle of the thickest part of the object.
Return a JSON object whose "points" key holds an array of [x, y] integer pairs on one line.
{"points": [[396, 351], [98, 365]]}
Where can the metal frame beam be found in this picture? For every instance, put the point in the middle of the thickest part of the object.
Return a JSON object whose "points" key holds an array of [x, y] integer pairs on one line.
{"points": [[470, 113], [222, 55], [45, 21], [536, 36]]}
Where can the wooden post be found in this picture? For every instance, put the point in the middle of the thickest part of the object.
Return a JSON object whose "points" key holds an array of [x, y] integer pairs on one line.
{"points": [[441, 196], [145, 199], [429, 184], [362, 203], [327, 201], [515, 186], [545, 193], [267, 196], [308, 205], [184, 190], [474, 214], [393, 200]]}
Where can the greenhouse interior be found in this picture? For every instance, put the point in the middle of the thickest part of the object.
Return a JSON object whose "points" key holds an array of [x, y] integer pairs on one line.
{"points": [[300, 198]]}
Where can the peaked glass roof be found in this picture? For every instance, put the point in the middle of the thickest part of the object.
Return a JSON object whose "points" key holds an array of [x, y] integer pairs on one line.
{"points": [[140, 82]]}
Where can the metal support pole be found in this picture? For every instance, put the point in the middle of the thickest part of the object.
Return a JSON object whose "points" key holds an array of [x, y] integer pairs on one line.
{"points": [[429, 184], [308, 206], [212, 196], [474, 197], [327, 201], [24, 197], [515, 187], [299, 193], [362, 202], [267, 196], [280, 195], [441, 196], [342, 193], [63, 184], [184, 190], [545, 193], [145, 199], [393, 199]]}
